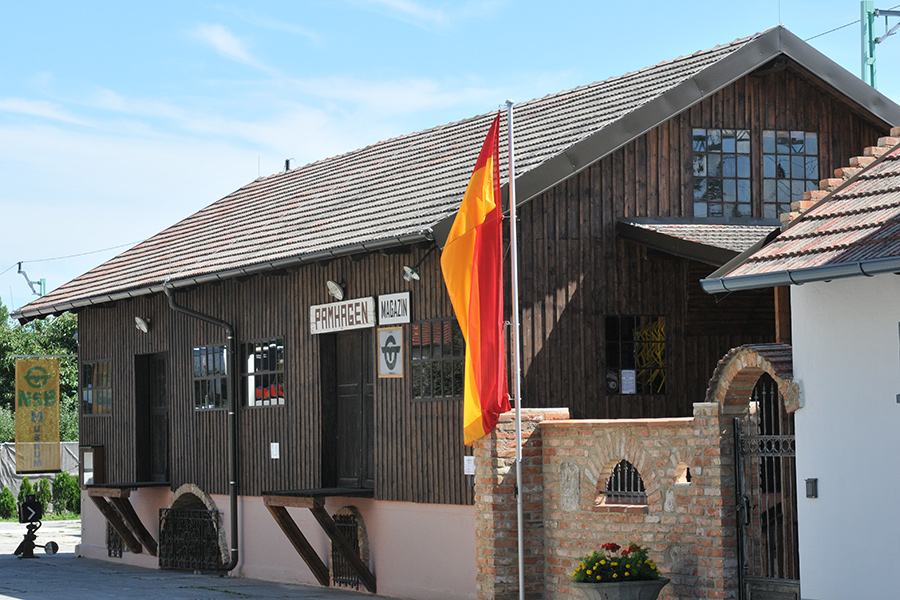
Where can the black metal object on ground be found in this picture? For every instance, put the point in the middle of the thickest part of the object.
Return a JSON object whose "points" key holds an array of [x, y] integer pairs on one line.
{"points": [[343, 572]]}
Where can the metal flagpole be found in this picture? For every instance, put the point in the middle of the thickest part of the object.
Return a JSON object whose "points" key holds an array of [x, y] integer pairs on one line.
{"points": [[514, 274]]}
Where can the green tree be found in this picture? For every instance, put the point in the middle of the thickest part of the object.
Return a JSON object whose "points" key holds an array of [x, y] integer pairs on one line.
{"points": [[42, 493], [25, 489], [52, 335], [8, 504]]}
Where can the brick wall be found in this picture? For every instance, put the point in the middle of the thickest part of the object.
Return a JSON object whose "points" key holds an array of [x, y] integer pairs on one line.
{"points": [[689, 527]]}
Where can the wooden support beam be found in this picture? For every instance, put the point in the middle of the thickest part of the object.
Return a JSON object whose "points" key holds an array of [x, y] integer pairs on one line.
{"points": [[300, 543], [348, 551], [109, 492], [113, 518], [123, 506], [783, 314], [291, 501]]}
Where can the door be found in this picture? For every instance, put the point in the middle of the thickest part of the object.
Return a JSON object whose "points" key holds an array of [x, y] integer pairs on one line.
{"points": [[348, 411], [766, 489], [152, 427]]}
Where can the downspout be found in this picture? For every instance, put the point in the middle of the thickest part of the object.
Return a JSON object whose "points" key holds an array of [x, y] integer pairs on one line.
{"points": [[230, 388]]}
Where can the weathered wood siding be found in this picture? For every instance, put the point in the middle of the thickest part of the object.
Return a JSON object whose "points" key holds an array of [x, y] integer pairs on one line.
{"points": [[574, 273], [418, 445]]}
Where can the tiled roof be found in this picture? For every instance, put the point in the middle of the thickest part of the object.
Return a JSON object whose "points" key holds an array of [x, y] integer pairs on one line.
{"points": [[857, 225], [398, 191], [727, 236]]}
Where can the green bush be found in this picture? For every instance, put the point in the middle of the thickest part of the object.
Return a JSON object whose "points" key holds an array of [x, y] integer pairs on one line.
{"points": [[7, 425], [8, 507], [25, 490], [42, 493], [66, 495]]}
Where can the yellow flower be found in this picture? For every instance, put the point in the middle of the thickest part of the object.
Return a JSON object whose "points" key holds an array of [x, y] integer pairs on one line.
{"points": [[627, 566], [588, 571], [615, 575], [615, 564], [602, 562], [626, 573]]}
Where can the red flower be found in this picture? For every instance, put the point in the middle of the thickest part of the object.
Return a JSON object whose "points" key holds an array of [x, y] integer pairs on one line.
{"points": [[611, 546]]}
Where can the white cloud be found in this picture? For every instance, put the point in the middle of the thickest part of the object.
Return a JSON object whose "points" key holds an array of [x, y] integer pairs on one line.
{"points": [[229, 45], [429, 18], [279, 24], [38, 108]]}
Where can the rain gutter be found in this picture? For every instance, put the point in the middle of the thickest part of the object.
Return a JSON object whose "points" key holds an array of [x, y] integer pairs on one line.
{"points": [[232, 429], [737, 283]]}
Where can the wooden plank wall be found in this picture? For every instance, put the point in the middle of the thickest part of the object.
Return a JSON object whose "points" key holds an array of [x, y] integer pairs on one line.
{"points": [[418, 450], [575, 271]]}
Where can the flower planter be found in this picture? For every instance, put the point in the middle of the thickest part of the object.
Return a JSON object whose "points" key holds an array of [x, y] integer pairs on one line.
{"points": [[625, 590]]}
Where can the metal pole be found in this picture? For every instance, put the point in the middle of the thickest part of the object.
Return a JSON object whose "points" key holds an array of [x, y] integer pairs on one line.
{"points": [[514, 275], [867, 24]]}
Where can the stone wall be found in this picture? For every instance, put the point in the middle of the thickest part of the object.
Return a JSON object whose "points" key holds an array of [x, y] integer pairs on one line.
{"points": [[689, 527]]}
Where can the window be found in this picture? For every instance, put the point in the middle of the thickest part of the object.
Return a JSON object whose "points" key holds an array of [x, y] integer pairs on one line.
{"points": [[625, 485], [721, 172], [262, 372], [210, 374], [96, 388], [635, 355], [790, 167], [438, 360]]}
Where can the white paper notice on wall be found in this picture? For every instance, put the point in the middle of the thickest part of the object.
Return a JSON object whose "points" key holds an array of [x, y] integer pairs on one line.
{"points": [[629, 381], [274, 450], [468, 465]]}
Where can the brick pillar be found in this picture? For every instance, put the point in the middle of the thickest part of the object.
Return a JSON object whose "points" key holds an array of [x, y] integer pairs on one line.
{"points": [[714, 502], [496, 521]]}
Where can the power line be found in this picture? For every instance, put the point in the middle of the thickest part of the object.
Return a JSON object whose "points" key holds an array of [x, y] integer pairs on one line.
{"points": [[841, 27], [37, 260]]}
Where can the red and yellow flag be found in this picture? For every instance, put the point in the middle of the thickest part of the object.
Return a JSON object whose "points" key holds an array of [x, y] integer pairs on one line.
{"points": [[473, 271]]}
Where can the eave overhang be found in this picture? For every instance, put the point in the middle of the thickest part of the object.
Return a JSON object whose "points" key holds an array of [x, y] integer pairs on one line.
{"points": [[24, 316]]}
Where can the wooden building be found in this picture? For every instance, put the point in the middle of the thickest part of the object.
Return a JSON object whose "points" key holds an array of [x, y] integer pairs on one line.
{"points": [[245, 378]]}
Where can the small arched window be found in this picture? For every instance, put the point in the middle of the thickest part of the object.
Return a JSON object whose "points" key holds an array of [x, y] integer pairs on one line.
{"points": [[625, 485]]}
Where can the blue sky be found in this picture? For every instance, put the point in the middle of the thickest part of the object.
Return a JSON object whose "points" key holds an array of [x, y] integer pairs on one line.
{"points": [[118, 119]]}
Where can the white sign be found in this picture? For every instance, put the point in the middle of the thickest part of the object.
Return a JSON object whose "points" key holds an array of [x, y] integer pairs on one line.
{"points": [[358, 313], [274, 450], [629, 381], [469, 465], [390, 352], [393, 309]]}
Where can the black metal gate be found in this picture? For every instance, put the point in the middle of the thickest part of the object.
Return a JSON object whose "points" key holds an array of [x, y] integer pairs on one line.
{"points": [[766, 489], [342, 571], [189, 539]]}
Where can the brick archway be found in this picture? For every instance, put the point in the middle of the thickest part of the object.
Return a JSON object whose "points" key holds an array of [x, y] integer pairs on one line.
{"points": [[738, 371]]}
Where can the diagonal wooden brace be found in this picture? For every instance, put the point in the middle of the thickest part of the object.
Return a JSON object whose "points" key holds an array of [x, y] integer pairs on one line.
{"points": [[115, 520], [300, 543], [349, 552]]}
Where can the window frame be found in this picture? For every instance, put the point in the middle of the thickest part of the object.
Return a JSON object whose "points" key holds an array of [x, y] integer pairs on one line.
{"points": [[773, 147], [618, 358], [105, 388], [201, 378], [263, 374], [738, 176], [419, 364]]}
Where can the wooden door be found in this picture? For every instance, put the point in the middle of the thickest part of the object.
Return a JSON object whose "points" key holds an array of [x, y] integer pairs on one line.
{"points": [[354, 404], [152, 426]]}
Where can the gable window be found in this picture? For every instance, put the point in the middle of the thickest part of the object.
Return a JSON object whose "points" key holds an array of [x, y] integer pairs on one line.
{"points": [[96, 388], [721, 166], [438, 360], [790, 167], [262, 372], [210, 373], [635, 355]]}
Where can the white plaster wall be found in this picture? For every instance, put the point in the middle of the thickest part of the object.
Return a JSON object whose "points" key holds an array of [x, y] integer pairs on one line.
{"points": [[847, 360], [146, 503], [422, 551]]}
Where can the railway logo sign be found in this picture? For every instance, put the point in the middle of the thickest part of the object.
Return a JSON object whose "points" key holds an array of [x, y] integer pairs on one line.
{"points": [[37, 415], [390, 352]]}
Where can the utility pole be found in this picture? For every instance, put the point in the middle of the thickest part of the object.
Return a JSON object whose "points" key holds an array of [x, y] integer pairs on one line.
{"points": [[868, 12]]}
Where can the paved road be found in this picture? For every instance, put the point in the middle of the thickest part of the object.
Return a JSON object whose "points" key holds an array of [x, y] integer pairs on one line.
{"points": [[64, 576]]}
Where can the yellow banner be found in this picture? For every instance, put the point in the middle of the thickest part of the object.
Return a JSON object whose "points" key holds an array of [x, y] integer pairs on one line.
{"points": [[37, 415]]}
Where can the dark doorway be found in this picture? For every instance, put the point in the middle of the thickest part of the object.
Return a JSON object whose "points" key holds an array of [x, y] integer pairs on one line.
{"points": [[348, 376], [152, 418]]}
